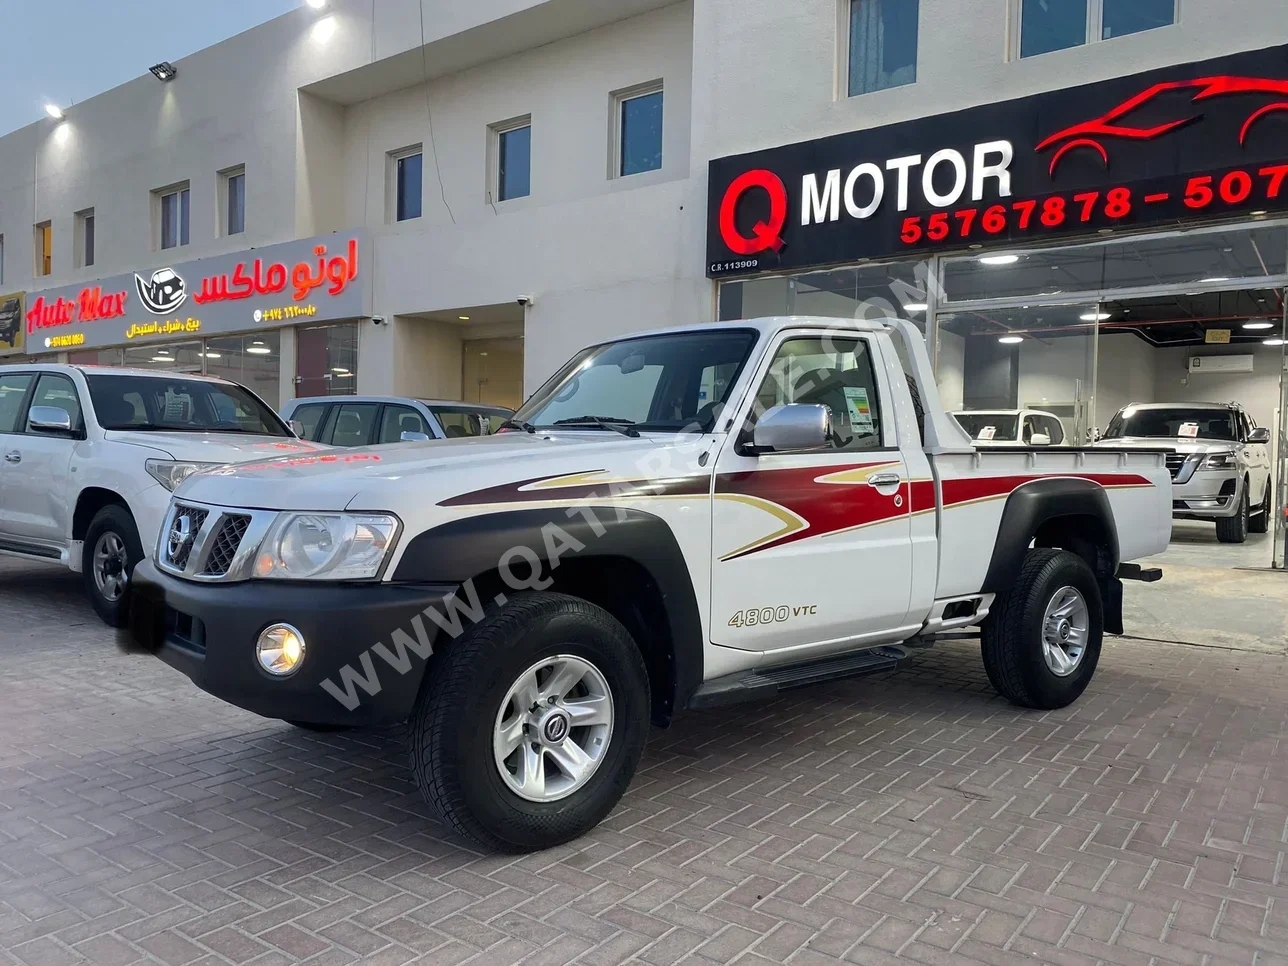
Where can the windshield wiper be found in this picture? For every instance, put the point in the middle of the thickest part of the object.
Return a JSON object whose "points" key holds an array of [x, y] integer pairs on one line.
{"points": [[622, 426], [517, 424]]}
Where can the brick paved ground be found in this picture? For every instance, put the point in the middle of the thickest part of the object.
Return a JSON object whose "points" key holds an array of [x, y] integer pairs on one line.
{"points": [[912, 815]]}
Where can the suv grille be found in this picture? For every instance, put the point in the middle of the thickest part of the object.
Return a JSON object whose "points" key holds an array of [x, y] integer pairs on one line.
{"points": [[178, 551], [224, 549], [1174, 463]]}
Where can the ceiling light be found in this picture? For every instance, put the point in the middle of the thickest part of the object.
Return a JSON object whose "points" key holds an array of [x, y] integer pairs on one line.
{"points": [[163, 71], [54, 111], [258, 349], [1258, 214], [340, 372], [163, 358], [1095, 316], [463, 318], [317, 4], [1273, 342], [210, 355], [916, 307], [999, 259], [1011, 339], [1215, 278], [1258, 325]]}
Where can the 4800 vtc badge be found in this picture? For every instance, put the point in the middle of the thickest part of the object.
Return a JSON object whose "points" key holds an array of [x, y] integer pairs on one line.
{"points": [[771, 615]]}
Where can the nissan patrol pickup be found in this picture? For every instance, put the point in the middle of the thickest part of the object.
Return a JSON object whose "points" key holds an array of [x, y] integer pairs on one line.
{"points": [[1218, 456], [676, 520]]}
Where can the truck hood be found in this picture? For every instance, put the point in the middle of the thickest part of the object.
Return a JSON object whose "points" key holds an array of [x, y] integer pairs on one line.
{"points": [[385, 477], [1181, 444], [212, 447]]}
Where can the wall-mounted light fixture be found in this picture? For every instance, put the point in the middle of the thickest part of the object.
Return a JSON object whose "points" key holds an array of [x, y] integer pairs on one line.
{"points": [[54, 111], [163, 71]]}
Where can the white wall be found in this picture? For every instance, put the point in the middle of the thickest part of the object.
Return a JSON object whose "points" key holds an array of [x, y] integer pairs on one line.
{"points": [[1258, 390]]}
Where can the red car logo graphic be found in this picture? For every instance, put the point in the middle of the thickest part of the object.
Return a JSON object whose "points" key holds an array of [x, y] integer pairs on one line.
{"points": [[1089, 134]]}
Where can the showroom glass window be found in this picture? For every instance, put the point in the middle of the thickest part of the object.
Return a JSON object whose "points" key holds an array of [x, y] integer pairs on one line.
{"points": [[326, 360], [883, 44], [640, 126], [253, 361]]}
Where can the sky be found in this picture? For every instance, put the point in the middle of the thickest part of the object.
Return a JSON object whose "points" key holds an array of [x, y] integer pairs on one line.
{"points": [[66, 51]]}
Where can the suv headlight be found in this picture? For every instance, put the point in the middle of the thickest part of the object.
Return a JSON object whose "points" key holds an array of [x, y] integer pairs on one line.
{"points": [[1222, 461], [326, 546], [170, 473]]}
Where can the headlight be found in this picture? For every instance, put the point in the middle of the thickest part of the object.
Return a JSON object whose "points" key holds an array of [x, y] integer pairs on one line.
{"points": [[325, 546], [170, 473], [1222, 461]]}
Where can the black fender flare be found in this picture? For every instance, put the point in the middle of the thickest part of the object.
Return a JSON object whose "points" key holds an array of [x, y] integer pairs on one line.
{"points": [[1034, 504], [455, 552]]}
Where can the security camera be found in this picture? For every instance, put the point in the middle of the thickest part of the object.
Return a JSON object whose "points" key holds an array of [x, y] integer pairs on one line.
{"points": [[377, 320], [524, 300]]}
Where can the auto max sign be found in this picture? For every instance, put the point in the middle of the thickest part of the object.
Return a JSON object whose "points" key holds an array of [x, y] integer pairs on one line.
{"points": [[1201, 140], [312, 280]]}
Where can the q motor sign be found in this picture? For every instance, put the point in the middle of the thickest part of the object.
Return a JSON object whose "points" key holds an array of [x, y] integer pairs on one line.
{"points": [[1198, 141], [313, 280]]}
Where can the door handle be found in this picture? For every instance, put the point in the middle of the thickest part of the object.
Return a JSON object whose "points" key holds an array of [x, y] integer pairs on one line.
{"points": [[14, 457], [884, 479]]}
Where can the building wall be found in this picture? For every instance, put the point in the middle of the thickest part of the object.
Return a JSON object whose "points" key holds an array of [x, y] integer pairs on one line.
{"points": [[1258, 390]]}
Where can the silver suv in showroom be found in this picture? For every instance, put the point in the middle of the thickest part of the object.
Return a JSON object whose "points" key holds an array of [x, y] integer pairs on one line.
{"points": [[1219, 460]]}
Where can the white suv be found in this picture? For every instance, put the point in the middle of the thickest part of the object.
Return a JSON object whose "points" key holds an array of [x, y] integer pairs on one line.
{"points": [[91, 455]]}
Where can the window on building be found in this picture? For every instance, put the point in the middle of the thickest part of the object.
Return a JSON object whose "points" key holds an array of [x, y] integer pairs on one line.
{"points": [[639, 129], [326, 360], [232, 190], [44, 248], [173, 208], [883, 44], [85, 238], [1047, 25], [512, 149], [406, 168]]}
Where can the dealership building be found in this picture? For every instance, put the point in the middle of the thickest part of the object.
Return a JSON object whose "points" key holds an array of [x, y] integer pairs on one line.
{"points": [[1083, 205]]}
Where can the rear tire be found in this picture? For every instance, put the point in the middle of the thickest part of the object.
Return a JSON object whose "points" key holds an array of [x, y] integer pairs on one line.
{"points": [[486, 748], [1024, 636], [1260, 521], [1235, 529], [110, 553]]}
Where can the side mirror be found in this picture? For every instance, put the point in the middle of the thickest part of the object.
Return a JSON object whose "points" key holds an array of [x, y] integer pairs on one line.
{"points": [[1040, 439], [793, 427], [1259, 435], [414, 438], [50, 419], [297, 428]]}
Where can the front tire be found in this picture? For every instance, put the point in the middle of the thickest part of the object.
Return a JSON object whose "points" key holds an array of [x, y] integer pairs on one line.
{"points": [[529, 727], [1235, 529], [1041, 643], [1260, 521], [111, 551]]}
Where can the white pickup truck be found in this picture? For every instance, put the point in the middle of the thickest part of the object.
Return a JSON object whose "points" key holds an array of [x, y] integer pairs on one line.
{"points": [[91, 456], [681, 519]]}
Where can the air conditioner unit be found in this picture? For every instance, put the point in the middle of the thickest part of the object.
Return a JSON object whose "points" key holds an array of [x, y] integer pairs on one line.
{"points": [[1221, 363]]}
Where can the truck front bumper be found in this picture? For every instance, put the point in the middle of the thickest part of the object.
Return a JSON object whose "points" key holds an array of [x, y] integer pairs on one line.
{"points": [[209, 632], [1207, 495]]}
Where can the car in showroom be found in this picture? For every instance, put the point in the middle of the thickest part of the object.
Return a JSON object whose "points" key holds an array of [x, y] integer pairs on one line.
{"points": [[1011, 427], [678, 520], [91, 456], [1218, 458], [374, 420]]}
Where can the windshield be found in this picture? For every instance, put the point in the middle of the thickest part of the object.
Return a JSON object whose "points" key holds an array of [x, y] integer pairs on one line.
{"points": [[663, 383], [470, 422], [1178, 423], [180, 405], [986, 426]]}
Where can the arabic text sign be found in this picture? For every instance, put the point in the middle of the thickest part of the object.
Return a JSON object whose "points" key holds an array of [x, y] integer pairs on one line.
{"points": [[313, 280]]}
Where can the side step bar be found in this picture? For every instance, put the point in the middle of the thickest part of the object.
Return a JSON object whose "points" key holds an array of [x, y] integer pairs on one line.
{"points": [[29, 549], [763, 684]]}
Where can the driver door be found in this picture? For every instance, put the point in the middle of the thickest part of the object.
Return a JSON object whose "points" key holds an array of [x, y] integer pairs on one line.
{"points": [[813, 550]]}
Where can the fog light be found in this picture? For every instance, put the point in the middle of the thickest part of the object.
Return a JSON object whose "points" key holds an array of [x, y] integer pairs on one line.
{"points": [[280, 649]]}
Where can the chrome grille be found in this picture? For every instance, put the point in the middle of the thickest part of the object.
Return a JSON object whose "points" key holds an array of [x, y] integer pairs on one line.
{"points": [[231, 531], [178, 550], [1175, 461]]}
